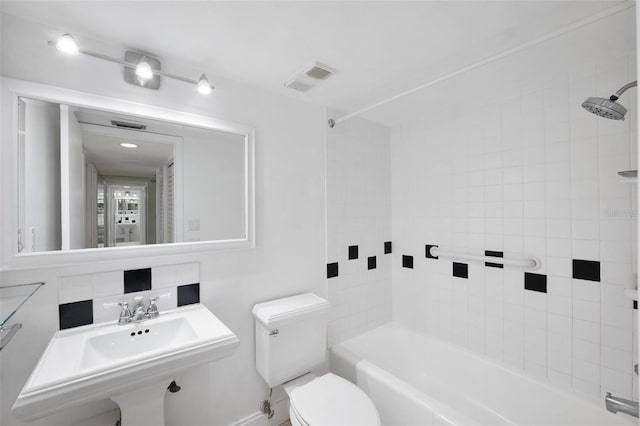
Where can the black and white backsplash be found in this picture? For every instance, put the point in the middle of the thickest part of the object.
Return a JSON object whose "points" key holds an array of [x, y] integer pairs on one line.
{"points": [[93, 298]]}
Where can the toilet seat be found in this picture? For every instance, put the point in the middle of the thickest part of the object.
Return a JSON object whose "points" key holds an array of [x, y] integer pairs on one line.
{"points": [[330, 400]]}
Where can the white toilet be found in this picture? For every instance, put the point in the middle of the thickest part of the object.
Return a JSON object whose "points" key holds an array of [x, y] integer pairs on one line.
{"points": [[291, 339]]}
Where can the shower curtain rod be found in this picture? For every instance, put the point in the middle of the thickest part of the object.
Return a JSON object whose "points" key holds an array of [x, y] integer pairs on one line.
{"points": [[557, 33]]}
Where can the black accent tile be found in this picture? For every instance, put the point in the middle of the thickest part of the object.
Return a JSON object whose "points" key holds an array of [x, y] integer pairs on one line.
{"points": [[460, 270], [427, 251], [635, 304], [75, 314], [137, 280], [188, 294], [353, 252], [387, 247], [494, 254], [371, 262], [535, 282], [586, 270], [407, 261], [332, 270]]}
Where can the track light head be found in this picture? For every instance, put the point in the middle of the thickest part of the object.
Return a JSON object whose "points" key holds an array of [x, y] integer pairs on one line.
{"points": [[67, 44], [143, 69], [204, 86]]}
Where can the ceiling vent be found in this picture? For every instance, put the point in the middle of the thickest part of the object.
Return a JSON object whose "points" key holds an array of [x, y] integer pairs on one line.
{"points": [[312, 75], [319, 71], [128, 125]]}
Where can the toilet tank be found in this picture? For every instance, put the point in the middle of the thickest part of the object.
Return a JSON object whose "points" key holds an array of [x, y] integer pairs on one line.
{"points": [[291, 336]]}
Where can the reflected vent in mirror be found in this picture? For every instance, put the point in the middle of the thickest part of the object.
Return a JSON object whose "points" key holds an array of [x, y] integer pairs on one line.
{"points": [[128, 125]]}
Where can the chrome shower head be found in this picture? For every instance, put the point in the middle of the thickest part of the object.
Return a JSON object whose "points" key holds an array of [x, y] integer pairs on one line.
{"points": [[608, 108], [605, 108]]}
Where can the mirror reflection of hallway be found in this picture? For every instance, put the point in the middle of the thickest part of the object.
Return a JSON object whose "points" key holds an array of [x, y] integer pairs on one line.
{"points": [[129, 216]]}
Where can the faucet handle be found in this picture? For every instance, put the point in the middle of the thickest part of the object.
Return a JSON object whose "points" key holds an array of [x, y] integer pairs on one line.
{"points": [[125, 313], [152, 309]]}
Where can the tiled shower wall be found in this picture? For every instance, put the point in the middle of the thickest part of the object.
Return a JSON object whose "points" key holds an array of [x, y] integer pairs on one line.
{"points": [[358, 225], [526, 172]]}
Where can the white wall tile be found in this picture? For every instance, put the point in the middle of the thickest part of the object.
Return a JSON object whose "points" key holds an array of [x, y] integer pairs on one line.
{"points": [[617, 382], [559, 353], [586, 290], [586, 351], [586, 330], [555, 182], [188, 273], [75, 288], [167, 276], [559, 324], [616, 359], [108, 284], [586, 371], [588, 311]]}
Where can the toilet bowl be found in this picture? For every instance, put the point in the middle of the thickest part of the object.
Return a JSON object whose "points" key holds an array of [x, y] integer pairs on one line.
{"points": [[330, 400]]}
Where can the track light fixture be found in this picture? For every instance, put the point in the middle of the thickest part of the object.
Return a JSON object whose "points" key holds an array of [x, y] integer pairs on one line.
{"points": [[144, 68], [204, 86], [67, 44]]}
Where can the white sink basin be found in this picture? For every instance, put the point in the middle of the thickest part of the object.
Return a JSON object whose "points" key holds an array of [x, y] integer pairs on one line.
{"points": [[118, 361]]}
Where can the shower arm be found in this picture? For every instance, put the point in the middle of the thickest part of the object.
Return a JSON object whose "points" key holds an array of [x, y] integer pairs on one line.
{"points": [[623, 89]]}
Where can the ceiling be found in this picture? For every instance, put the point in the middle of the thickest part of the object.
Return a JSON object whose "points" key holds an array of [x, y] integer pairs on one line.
{"points": [[379, 49], [155, 144]]}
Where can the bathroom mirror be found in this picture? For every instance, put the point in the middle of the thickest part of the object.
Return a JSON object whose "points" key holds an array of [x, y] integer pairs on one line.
{"points": [[92, 179]]}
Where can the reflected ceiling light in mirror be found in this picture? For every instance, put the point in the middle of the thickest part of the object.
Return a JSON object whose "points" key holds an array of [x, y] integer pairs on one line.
{"points": [[204, 86], [67, 44], [128, 145], [143, 69]]}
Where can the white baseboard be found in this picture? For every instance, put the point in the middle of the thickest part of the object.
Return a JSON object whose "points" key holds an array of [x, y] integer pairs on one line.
{"points": [[258, 418], [255, 419]]}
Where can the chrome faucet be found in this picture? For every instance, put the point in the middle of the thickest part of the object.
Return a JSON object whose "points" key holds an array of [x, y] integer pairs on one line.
{"points": [[615, 404], [139, 312]]}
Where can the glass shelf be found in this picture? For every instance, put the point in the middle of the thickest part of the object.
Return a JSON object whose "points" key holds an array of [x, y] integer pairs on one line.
{"points": [[12, 297]]}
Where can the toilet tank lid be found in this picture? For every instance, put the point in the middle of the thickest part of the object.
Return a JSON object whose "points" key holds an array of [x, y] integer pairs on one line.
{"points": [[276, 313]]}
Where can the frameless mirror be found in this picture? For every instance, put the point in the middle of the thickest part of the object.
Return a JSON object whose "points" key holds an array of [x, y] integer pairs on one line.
{"points": [[93, 179]]}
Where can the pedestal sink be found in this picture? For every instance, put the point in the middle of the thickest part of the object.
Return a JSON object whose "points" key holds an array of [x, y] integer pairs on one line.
{"points": [[131, 364]]}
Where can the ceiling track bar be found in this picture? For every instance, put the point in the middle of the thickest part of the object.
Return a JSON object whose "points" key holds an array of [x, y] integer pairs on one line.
{"points": [[549, 36], [130, 65]]}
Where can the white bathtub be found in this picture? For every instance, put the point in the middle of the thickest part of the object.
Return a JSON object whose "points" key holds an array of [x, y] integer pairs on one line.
{"points": [[416, 380]]}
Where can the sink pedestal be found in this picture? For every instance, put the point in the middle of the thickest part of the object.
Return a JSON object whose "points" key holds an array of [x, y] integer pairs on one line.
{"points": [[143, 406]]}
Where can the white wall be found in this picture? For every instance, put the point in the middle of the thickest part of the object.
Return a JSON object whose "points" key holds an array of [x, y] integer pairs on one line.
{"points": [[504, 158], [72, 167], [358, 213], [41, 177], [217, 164], [289, 256]]}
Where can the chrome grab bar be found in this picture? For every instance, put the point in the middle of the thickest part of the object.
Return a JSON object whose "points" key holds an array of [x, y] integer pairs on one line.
{"points": [[615, 404], [530, 262]]}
